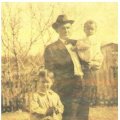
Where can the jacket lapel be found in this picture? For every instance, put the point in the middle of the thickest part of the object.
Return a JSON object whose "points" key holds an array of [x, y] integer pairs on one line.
{"points": [[62, 49], [62, 53]]}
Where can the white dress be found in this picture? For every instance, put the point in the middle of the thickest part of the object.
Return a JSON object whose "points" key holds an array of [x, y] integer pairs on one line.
{"points": [[89, 50]]}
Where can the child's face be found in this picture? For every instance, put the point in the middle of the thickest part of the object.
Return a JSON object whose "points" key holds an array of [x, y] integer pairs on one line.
{"points": [[45, 83], [90, 29]]}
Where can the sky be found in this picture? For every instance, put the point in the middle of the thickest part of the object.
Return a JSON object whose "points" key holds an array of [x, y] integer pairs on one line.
{"points": [[34, 17]]}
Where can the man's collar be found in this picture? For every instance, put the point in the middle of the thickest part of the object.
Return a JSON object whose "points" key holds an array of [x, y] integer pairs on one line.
{"points": [[70, 41], [62, 40], [65, 42]]}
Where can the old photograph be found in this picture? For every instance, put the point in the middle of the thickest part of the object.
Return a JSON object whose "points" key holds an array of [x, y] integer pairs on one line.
{"points": [[59, 60]]}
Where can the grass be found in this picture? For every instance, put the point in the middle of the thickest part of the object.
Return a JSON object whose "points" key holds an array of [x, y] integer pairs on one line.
{"points": [[96, 113]]}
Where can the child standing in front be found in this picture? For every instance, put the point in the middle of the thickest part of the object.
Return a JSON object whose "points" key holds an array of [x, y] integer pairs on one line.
{"points": [[45, 104]]}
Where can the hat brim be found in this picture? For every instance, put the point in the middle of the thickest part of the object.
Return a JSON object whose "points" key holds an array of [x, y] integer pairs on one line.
{"points": [[56, 24]]}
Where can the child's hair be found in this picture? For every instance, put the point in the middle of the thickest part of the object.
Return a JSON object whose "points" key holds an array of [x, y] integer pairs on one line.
{"points": [[46, 73], [89, 22]]}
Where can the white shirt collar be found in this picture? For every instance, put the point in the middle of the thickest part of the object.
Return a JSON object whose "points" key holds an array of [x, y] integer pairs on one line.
{"points": [[43, 93], [63, 41]]}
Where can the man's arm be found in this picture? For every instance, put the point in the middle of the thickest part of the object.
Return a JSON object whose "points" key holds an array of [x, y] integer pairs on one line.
{"points": [[48, 57]]}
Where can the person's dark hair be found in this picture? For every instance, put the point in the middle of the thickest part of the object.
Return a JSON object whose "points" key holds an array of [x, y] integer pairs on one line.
{"points": [[46, 73]]}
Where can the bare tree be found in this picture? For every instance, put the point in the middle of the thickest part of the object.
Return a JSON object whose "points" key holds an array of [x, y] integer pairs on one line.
{"points": [[16, 55]]}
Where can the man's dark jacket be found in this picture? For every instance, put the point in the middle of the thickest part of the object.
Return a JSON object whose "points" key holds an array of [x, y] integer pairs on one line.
{"points": [[58, 60]]}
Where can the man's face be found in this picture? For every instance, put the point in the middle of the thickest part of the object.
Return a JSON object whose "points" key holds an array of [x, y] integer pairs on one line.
{"points": [[45, 83], [64, 31], [90, 29]]}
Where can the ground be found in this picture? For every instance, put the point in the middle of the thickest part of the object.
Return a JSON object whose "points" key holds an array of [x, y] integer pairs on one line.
{"points": [[103, 113], [96, 113]]}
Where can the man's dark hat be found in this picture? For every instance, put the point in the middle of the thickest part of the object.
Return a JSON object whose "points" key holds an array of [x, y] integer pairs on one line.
{"points": [[61, 19]]}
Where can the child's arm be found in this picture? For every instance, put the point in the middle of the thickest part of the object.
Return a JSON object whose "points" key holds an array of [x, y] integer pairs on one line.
{"points": [[34, 106], [59, 108]]}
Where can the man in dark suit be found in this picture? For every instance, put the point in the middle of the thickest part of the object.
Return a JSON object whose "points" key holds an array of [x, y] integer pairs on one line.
{"points": [[65, 63]]}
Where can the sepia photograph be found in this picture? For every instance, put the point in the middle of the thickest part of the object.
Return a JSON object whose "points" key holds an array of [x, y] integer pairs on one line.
{"points": [[59, 60]]}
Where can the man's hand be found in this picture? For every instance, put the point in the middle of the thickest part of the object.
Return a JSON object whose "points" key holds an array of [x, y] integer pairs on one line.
{"points": [[94, 65]]}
